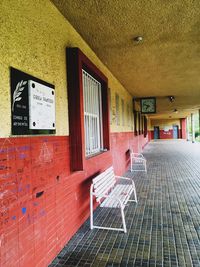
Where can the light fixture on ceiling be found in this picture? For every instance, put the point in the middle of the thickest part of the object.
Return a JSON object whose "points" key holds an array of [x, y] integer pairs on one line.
{"points": [[138, 39], [175, 110], [171, 98]]}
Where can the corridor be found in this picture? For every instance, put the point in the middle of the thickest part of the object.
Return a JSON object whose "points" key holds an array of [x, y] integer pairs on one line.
{"points": [[163, 227]]}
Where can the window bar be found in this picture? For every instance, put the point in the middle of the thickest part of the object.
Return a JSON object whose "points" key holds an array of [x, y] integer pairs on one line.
{"points": [[88, 118], [93, 117], [97, 116], [90, 121], [92, 114], [100, 116], [84, 101]]}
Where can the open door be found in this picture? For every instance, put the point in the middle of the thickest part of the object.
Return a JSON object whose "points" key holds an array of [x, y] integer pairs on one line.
{"points": [[156, 132], [175, 131]]}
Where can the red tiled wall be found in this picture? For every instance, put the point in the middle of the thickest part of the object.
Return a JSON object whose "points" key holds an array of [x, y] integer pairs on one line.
{"points": [[150, 137], [168, 134], [120, 144], [183, 128], [42, 204]]}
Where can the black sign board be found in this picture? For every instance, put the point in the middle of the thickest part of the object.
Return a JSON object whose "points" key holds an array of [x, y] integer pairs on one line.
{"points": [[20, 103]]}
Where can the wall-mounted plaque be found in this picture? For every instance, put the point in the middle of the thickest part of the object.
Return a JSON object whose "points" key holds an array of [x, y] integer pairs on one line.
{"points": [[32, 104]]}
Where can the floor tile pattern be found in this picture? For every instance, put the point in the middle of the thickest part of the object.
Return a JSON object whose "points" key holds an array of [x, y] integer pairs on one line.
{"points": [[163, 227]]}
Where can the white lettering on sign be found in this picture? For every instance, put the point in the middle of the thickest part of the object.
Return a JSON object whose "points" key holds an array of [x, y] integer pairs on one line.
{"points": [[17, 117], [41, 106]]}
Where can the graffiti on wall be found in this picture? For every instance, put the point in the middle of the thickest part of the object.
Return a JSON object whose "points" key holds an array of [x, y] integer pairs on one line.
{"points": [[21, 193]]}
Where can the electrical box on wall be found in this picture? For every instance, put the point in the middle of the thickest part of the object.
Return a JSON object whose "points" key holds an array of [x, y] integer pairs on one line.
{"points": [[32, 105]]}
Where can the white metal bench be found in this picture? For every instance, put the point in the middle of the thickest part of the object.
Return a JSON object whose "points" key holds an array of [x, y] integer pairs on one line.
{"points": [[138, 162], [111, 191]]}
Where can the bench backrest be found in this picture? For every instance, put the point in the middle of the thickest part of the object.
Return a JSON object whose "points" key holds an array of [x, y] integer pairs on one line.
{"points": [[103, 183]]}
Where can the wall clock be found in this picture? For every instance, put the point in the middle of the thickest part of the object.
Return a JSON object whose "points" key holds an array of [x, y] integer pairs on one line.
{"points": [[148, 105]]}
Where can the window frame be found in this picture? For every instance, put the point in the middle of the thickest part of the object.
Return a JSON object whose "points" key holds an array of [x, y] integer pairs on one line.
{"points": [[117, 108], [123, 111], [142, 122], [145, 126], [91, 114], [139, 123], [135, 122], [76, 62]]}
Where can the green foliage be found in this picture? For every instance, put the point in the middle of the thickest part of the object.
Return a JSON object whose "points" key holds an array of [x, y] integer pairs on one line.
{"points": [[196, 124]]}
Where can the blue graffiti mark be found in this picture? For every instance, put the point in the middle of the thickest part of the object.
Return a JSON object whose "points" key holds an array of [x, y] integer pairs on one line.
{"points": [[5, 176], [29, 218], [28, 186], [14, 217], [7, 150], [42, 212], [22, 156], [24, 210], [24, 148], [21, 189], [37, 216]]}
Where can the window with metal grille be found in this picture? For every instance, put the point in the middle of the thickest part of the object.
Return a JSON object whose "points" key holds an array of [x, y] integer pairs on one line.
{"points": [[92, 114], [122, 102], [97, 130], [117, 109]]}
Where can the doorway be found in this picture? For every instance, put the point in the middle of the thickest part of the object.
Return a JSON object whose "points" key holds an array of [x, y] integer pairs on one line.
{"points": [[156, 132], [175, 131]]}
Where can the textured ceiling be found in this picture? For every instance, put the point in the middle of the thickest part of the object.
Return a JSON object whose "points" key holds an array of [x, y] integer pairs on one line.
{"points": [[167, 62]]}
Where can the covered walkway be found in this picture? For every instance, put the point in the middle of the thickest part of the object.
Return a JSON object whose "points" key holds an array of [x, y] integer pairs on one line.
{"points": [[163, 228]]}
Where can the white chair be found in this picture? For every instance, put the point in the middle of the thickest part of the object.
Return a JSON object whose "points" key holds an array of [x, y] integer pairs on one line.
{"points": [[138, 162]]}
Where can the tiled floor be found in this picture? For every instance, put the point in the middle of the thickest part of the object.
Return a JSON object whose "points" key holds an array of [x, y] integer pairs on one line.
{"points": [[163, 228]]}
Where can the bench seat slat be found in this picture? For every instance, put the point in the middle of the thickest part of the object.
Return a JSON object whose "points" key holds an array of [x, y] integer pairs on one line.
{"points": [[104, 190], [105, 184], [100, 176], [104, 180], [121, 192]]}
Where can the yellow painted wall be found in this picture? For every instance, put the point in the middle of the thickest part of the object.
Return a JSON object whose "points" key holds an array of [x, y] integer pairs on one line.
{"points": [[165, 124], [33, 38]]}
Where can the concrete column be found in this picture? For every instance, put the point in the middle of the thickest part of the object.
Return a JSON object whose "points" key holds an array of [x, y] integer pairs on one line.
{"points": [[187, 129], [199, 121], [192, 126]]}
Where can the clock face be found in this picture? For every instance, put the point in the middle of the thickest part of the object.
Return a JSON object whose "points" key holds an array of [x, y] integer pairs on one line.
{"points": [[148, 105]]}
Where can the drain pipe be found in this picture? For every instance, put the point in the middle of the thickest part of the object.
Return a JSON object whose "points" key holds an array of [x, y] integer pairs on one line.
{"points": [[192, 125]]}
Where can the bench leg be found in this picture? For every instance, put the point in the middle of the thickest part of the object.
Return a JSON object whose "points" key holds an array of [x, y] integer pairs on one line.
{"points": [[91, 212], [135, 195], [131, 164], [123, 220]]}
